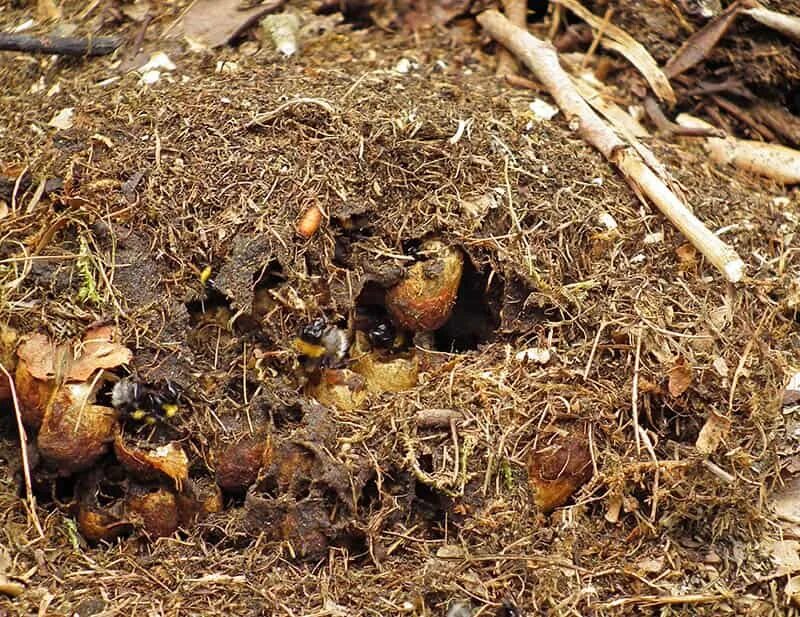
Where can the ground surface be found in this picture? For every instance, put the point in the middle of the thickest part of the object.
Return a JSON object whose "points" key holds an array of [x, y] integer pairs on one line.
{"points": [[160, 181]]}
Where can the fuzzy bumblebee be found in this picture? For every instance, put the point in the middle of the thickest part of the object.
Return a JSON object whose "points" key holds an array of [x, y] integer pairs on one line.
{"points": [[322, 345], [145, 403]]}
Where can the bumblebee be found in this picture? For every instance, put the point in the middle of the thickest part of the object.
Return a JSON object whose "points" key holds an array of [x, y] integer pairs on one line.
{"points": [[145, 403], [385, 336], [322, 345]]}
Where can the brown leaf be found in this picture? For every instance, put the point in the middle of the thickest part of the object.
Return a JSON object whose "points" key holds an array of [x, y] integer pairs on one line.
{"points": [[169, 461], [680, 378], [45, 360], [216, 22], [698, 46], [687, 257], [38, 352], [99, 351], [791, 393], [557, 471], [47, 10], [711, 434]]}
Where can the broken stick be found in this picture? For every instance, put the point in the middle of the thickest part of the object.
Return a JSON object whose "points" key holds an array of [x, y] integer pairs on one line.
{"points": [[541, 58], [517, 13], [61, 45]]}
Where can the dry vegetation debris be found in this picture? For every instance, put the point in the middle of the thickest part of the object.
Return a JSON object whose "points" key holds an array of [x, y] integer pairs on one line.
{"points": [[583, 417]]}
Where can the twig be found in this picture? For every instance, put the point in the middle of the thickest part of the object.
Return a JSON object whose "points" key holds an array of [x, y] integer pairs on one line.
{"points": [[517, 81], [743, 361], [635, 389], [516, 11], [600, 329], [787, 25], [601, 30], [540, 57], [64, 46], [261, 118], [137, 42], [732, 85], [437, 418], [741, 114], [669, 128], [719, 472], [23, 444], [623, 43]]}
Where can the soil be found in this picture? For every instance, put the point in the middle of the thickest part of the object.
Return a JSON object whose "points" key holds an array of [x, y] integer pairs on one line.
{"points": [[367, 509]]}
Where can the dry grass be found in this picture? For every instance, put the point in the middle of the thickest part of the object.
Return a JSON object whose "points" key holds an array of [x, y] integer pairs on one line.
{"points": [[341, 129]]}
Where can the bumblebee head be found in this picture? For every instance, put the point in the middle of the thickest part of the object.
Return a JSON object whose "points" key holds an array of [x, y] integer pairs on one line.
{"points": [[312, 332]]}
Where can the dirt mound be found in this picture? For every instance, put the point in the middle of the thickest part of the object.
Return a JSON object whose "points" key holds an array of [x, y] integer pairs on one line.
{"points": [[588, 350]]}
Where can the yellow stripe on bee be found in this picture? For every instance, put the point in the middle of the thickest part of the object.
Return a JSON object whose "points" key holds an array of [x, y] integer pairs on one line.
{"points": [[139, 414], [205, 275], [170, 409], [308, 349]]}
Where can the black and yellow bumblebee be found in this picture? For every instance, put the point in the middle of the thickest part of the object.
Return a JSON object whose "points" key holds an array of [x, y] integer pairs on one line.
{"points": [[322, 345], [381, 332], [144, 402]]}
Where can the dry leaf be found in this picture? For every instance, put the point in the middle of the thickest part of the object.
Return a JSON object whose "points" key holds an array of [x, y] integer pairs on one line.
{"points": [[712, 433], [680, 378], [617, 39], [63, 120], [557, 471], [651, 565], [47, 10], [697, 47], [720, 366], [136, 11], [792, 590], [44, 359], [168, 461], [216, 22], [648, 387], [791, 393], [785, 556], [450, 551], [98, 351], [786, 501], [38, 353], [687, 256]]}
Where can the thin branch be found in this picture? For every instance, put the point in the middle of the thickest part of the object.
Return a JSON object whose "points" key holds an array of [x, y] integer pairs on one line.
{"points": [[61, 45], [540, 57], [517, 13], [668, 128], [23, 444]]}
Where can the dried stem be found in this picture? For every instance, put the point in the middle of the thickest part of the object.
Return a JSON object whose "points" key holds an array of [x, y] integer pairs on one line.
{"points": [[23, 444], [540, 57], [516, 11], [64, 46], [668, 128]]}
